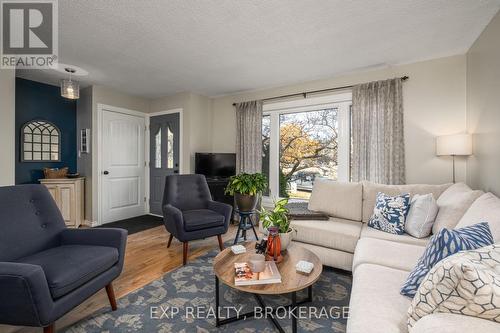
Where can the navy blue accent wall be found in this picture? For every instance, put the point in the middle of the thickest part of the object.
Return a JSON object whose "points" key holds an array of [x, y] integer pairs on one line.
{"points": [[38, 101]]}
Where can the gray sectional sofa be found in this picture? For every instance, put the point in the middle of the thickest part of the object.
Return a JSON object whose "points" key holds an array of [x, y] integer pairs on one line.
{"points": [[380, 262]]}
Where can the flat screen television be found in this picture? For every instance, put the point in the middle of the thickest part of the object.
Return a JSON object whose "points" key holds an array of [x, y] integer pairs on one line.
{"points": [[215, 165]]}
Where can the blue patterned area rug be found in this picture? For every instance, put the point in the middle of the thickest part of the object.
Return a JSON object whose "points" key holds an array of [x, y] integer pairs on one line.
{"points": [[184, 301]]}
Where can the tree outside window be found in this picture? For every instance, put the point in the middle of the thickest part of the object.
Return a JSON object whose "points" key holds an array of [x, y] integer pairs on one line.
{"points": [[308, 150]]}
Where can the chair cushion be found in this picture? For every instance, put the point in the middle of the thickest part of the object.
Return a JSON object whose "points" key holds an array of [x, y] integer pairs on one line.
{"points": [[197, 219], [366, 231], [453, 323], [30, 221], [186, 192], [386, 253], [485, 209], [329, 257], [335, 233], [376, 305], [337, 199], [68, 267], [453, 204]]}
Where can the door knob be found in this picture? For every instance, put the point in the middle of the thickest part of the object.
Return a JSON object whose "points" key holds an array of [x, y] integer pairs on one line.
{"points": [[106, 172]]}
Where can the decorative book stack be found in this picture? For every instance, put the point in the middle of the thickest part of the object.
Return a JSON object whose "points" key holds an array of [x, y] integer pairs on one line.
{"points": [[246, 277]]}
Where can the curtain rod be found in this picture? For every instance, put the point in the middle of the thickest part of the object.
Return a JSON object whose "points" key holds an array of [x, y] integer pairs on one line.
{"points": [[304, 94]]}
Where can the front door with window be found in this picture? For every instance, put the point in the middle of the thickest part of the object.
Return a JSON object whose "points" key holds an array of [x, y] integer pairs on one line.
{"points": [[164, 156]]}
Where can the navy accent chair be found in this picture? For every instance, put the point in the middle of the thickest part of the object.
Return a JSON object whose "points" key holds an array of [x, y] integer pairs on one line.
{"points": [[46, 269], [189, 213]]}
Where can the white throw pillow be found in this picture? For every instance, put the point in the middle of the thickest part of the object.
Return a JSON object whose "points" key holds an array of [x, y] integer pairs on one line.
{"points": [[423, 211], [453, 204], [338, 199], [466, 283], [485, 209]]}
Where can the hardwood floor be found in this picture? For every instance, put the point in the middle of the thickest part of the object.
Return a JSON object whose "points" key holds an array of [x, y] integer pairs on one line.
{"points": [[147, 258]]}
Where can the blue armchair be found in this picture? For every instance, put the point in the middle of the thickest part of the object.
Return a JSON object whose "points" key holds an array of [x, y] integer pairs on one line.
{"points": [[189, 213], [46, 269]]}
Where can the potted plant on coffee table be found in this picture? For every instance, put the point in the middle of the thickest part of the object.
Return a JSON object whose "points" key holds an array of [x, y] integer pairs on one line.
{"points": [[278, 217], [246, 189]]}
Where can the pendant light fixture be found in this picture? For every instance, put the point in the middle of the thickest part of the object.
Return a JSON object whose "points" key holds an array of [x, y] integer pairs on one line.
{"points": [[70, 89]]}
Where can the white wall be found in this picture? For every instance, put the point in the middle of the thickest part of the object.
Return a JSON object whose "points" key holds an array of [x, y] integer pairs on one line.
{"points": [[90, 97], [200, 126], [483, 108], [104, 95], [196, 133], [434, 104], [7, 126], [84, 161]]}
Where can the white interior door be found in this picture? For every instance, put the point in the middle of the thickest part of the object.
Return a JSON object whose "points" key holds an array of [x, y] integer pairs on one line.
{"points": [[122, 166]]}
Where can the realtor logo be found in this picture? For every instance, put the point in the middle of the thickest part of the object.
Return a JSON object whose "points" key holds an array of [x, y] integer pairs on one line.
{"points": [[29, 33]]}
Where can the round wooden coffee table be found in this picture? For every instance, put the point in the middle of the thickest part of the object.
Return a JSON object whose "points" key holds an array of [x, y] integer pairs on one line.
{"points": [[292, 281]]}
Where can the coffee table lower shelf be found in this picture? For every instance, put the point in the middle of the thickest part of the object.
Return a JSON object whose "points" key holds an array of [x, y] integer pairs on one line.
{"points": [[292, 308]]}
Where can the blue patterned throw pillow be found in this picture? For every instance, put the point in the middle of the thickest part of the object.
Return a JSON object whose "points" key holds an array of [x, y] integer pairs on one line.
{"points": [[443, 244], [390, 213]]}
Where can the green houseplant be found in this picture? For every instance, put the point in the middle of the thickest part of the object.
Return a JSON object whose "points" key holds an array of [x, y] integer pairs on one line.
{"points": [[278, 217], [246, 189]]}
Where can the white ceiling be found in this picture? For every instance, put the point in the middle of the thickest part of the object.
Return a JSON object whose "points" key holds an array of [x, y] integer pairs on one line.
{"points": [[155, 48]]}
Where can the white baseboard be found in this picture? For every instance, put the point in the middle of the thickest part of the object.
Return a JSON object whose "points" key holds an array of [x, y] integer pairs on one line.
{"points": [[90, 224]]}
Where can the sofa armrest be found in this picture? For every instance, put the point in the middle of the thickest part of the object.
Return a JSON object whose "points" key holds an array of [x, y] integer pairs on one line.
{"points": [[111, 237], [223, 209], [173, 220], [451, 323], [25, 296]]}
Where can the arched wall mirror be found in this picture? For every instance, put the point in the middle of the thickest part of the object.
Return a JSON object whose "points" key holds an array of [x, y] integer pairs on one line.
{"points": [[40, 142]]}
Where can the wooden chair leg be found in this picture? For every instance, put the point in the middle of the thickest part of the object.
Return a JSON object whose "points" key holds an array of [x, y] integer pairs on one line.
{"points": [[184, 253], [170, 240], [50, 329], [111, 296], [221, 245]]}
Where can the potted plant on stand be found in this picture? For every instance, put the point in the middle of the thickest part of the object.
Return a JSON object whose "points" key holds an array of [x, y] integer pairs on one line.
{"points": [[246, 189], [278, 218]]}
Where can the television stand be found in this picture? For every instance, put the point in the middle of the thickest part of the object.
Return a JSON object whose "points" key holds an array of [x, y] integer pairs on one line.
{"points": [[217, 187]]}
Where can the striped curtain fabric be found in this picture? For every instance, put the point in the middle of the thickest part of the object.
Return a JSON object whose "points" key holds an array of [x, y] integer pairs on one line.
{"points": [[249, 137], [377, 132]]}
